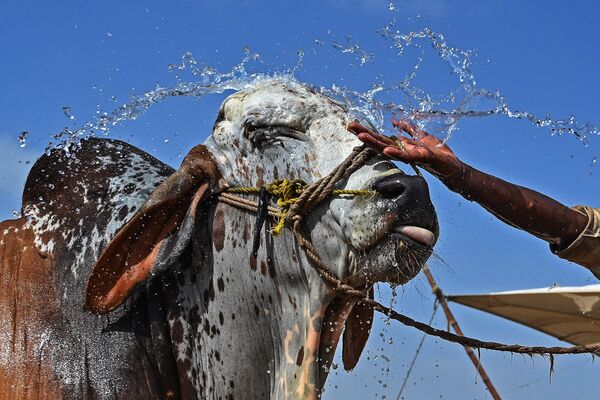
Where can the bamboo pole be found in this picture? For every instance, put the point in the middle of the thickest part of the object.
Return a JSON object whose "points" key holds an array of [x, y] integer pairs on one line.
{"points": [[454, 324]]}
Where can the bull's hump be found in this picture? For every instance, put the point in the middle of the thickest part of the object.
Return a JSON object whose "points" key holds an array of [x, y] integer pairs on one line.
{"points": [[58, 181]]}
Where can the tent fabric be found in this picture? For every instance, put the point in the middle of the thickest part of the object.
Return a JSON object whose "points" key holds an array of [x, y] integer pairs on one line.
{"points": [[571, 314]]}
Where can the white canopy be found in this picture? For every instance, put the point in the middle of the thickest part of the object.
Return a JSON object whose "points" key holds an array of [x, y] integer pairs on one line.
{"points": [[571, 314]]}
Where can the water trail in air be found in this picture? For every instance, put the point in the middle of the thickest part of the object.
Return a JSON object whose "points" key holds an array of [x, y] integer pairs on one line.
{"points": [[437, 113]]}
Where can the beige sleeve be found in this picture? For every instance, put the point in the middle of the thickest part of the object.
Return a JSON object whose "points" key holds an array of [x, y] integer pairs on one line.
{"points": [[585, 250]]}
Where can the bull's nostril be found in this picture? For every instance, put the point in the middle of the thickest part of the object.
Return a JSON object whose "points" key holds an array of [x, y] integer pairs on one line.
{"points": [[390, 187]]}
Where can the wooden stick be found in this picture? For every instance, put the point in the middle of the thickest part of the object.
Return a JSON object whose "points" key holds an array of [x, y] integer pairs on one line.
{"points": [[454, 324]]}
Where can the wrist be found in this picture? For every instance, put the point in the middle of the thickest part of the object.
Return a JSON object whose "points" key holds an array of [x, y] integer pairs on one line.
{"points": [[457, 180]]}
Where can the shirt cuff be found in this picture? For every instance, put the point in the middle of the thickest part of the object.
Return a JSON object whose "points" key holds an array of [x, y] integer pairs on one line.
{"points": [[585, 250]]}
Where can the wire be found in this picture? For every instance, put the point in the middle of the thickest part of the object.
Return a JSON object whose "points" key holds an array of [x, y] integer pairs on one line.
{"points": [[419, 347]]}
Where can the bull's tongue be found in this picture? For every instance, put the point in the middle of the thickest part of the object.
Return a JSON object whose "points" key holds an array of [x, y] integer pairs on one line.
{"points": [[416, 233]]}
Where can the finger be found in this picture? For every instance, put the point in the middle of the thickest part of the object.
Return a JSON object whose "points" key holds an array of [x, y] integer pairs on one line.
{"points": [[380, 138], [372, 142], [405, 141], [410, 153], [384, 139], [357, 128], [411, 129], [417, 133]]}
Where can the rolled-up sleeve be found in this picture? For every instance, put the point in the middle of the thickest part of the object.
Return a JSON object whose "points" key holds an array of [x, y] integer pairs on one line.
{"points": [[585, 250]]}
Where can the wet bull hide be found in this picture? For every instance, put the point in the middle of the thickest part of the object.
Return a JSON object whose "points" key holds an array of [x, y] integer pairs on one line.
{"points": [[127, 279]]}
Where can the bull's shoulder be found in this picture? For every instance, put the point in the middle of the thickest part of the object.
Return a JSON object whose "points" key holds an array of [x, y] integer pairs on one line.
{"points": [[28, 307]]}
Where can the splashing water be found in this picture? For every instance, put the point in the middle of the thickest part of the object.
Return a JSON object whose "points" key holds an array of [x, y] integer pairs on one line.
{"points": [[468, 100], [22, 138], [68, 112], [438, 115], [349, 48]]}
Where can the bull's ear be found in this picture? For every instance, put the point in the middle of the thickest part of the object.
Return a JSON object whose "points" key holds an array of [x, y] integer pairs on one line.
{"points": [[155, 236], [356, 333], [355, 319]]}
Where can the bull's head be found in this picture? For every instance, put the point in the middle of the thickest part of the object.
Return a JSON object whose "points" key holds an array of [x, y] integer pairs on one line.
{"points": [[273, 131], [287, 131]]}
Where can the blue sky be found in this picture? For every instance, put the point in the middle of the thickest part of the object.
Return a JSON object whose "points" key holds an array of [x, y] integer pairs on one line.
{"points": [[542, 55]]}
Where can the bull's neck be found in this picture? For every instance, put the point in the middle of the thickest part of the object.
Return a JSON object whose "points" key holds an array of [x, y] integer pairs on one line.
{"points": [[259, 319]]}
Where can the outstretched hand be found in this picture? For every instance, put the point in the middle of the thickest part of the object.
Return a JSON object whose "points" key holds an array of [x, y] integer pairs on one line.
{"points": [[421, 148], [518, 206]]}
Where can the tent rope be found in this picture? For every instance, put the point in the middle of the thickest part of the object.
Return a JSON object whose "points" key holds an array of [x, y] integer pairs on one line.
{"points": [[417, 353]]}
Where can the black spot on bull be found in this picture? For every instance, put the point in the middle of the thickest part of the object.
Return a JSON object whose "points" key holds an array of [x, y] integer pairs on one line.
{"points": [[300, 356], [218, 230]]}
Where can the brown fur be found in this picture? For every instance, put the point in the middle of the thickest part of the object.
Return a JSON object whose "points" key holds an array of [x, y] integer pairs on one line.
{"points": [[25, 275]]}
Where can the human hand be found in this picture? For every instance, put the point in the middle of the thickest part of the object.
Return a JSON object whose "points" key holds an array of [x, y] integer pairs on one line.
{"points": [[421, 148]]}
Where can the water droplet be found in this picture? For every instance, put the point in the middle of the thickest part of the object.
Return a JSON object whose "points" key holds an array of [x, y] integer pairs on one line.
{"points": [[438, 114], [108, 34], [68, 113], [594, 161], [166, 141], [16, 213], [23, 138], [391, 7]]}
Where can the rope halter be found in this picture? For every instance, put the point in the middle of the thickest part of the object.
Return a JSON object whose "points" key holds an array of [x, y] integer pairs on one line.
{"points": [[295, 199], [288, 192]]}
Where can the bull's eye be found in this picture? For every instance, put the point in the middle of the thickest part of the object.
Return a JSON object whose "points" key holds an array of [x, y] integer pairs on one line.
{"points": [[262, 136], [220, 118]]}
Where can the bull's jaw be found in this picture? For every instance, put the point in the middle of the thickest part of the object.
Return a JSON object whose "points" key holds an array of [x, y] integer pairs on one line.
{"points": [[361, 252]]}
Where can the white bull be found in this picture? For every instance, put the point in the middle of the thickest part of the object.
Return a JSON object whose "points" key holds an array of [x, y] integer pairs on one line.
{"points": [[202, 317]]}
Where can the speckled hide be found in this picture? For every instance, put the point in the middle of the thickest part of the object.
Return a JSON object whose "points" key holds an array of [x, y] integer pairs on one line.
{"points": [[50, 346], [185, 310]]}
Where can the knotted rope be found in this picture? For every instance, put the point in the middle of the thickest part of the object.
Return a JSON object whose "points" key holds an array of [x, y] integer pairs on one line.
{"points": [[299, 202], [289, 192]]}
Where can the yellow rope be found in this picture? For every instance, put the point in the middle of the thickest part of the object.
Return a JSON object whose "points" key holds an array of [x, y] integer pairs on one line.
{"points": [[288, 192]]}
